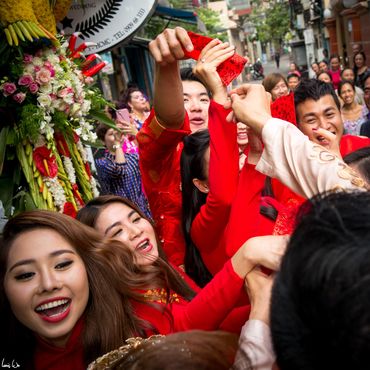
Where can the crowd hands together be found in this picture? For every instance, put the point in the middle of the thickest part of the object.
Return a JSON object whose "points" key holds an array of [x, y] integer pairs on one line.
{"points": [[287, 275]]}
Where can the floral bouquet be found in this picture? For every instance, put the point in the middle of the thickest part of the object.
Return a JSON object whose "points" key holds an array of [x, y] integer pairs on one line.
{"points": [[49, 107]]}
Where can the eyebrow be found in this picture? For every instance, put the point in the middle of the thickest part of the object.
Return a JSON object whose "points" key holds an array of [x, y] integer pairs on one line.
{"points": [[118, 222], [201, 94], [29, 261]]}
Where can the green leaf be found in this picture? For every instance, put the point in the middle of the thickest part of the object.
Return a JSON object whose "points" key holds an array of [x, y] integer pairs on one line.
{"points": [[102, 117], [3, 135]]}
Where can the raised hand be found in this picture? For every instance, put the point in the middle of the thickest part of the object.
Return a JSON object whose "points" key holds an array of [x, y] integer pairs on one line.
{"points": [[251, 105], [212, 55], [168, 46]]}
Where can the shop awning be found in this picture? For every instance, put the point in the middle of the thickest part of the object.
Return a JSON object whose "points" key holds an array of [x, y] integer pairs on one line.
{"points": [[176, 14]]}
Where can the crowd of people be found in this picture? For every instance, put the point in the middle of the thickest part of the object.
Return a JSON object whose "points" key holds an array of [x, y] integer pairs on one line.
{"points": [[230, 234]]}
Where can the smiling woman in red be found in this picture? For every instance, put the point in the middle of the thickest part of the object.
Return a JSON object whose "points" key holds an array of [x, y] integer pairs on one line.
{"points": [[66, 294]]}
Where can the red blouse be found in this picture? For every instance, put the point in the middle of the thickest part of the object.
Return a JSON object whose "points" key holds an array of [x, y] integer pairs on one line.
{"points": [[49, 357], [208, 310], [208, 227], [160, 151]]}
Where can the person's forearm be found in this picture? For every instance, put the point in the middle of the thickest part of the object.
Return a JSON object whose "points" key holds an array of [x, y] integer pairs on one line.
{"points": [[119, 155], [168, 96], [303, 166]]}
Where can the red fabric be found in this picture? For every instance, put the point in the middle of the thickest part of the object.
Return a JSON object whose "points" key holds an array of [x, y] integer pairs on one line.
{"points": [[209, 225], [350, 143], [228, 70], [206, 311], [283, 108], [246, 220], [335, 76], [159, 152], [49, 357]]}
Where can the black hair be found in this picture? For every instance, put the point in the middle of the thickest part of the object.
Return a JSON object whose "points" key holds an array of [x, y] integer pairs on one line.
{"points": [[290, 75], [313, 89], [334, 56], [361, 159], [324, 61], [186, 74], [344, 82], [320, 317], [325, 73], [268, 211], [192, 166]]}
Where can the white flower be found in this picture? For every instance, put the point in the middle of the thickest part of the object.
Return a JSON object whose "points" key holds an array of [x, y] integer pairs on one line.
{"points": [[36, 61], [94, 187], [68, 165], [53, 59], [46, 89], [44, 100], [56, 191]]}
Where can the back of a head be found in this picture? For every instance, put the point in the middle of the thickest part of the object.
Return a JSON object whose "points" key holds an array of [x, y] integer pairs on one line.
{"points": [[315, 90], [360, 160], [194, 349], [320, 317], [192, 165]]}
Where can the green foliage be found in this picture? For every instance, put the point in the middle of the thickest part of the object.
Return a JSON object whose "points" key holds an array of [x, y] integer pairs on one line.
{"points": [[272, 23], [30, 121], [208, 16], [211, 19]]}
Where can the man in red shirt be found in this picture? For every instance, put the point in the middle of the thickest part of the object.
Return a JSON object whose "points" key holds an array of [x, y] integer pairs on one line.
{"points": [[181, 105]]}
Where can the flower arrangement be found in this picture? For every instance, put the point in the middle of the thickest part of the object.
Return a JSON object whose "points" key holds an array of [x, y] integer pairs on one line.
{"points": [[50, 105]]}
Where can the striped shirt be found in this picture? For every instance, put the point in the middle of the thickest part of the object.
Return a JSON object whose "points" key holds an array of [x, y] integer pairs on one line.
{"points": [[122, 179]]}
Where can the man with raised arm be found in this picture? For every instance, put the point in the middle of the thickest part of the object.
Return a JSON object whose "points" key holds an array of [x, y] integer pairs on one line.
{"points": [[181, 106]]}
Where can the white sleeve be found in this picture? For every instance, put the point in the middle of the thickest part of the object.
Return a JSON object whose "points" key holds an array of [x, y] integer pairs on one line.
{"points": [[305, 167], [255, 344]]}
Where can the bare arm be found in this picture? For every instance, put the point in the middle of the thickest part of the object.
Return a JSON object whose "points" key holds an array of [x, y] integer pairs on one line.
{"points": [[167, 50]]}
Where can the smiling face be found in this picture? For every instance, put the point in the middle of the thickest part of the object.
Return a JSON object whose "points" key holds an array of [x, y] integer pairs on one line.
{"points": [[196, 103], [359, 60], [242, 135], [121, 222], [334, 64], [293, 82], [323, 67], [347, 93], [46, 284], [322, 113], [280, 89]]}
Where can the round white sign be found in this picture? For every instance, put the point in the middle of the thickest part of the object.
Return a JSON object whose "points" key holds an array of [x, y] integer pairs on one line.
{"points": [[106, 22]]}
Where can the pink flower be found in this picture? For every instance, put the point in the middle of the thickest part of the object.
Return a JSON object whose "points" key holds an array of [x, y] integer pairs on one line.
{"points": [[19, 97], [43, 76], [50, 68], [37, 68], [8, 88], [34, 88], [89, 80], [64, 92], [25, 80], [27, 58], [53, 96]]}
